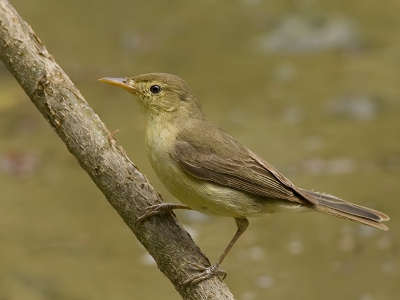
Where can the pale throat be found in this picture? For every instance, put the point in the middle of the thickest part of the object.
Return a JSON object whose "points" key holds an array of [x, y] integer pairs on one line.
{"points": [[159, 133]]}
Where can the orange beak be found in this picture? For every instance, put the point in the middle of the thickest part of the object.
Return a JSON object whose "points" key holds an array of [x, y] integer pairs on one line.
{"points": [[121, 82]]}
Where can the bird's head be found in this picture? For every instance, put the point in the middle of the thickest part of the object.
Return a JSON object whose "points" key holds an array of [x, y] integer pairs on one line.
{"points": [[160, 94]]}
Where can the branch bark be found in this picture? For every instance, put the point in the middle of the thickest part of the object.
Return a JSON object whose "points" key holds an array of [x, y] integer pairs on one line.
{"points": [[88, 139]]}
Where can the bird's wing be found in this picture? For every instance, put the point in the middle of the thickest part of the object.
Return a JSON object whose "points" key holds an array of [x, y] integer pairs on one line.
{"points": [[282, 179], [238, 168]]}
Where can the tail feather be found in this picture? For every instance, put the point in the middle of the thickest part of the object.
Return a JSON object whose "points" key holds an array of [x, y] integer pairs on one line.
{"points": [[335, 206]]}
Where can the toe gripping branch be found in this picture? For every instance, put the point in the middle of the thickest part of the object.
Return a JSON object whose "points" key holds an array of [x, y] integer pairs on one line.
{"points": [[161, 208]]}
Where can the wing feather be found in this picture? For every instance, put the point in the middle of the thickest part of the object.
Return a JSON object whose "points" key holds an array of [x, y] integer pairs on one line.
{"points": [[244, 174]]}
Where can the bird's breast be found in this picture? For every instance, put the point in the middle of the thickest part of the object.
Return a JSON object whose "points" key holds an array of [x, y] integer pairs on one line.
{"points": [[160, 147]]}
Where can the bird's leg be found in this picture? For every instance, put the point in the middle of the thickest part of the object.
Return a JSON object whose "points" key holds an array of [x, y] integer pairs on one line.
{"points": [[207, 272], [160, 209]]}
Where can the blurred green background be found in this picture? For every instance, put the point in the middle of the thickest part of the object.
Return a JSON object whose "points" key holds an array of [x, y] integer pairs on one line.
{"points": [[312, 86]]}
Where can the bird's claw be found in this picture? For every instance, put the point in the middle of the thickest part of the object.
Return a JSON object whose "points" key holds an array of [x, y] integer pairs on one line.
{"points": [[111, 136], [155, 210], [160, 208], [206, 272]]}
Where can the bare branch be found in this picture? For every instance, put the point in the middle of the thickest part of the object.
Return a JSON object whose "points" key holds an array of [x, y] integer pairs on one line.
{"points": [[87, 138]]}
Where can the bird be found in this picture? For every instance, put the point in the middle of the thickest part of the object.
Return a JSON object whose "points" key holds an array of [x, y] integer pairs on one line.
{"points": [[211, 172]]}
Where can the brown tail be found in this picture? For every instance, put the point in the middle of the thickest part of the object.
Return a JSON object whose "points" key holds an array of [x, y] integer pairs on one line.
{"points": [[337, 207]]}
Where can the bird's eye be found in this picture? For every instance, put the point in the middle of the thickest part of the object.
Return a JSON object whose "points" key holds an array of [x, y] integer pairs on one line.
{"points": [[155, 89]]}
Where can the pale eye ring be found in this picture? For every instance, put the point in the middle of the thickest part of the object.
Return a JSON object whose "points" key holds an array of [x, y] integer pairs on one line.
{"points": [[155, 89]]}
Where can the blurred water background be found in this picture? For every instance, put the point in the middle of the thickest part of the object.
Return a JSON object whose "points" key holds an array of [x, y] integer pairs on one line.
{"points": [[312, 86]]}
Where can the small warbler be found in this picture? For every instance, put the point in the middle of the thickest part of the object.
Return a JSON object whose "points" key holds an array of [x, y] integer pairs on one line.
{"points": [[209, 171]]}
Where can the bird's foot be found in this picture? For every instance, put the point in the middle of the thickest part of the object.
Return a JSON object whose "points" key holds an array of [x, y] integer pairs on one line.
{"points": [[111, 136], [160, 209], [206, 272]]}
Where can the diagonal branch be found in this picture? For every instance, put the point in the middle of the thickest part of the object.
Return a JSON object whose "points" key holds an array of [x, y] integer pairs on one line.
{"points": [[87, 138]]}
